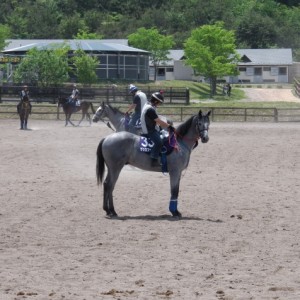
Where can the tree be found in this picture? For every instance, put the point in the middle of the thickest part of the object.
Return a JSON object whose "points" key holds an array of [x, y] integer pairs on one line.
{"points": [[85, 67], [256, 31], [211, 52], [4, 34], [151, 40], [44, 67], [86, 35]]}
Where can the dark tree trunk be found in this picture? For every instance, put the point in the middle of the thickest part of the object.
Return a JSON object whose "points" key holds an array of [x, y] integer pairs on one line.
{"points": [[213, 86]]}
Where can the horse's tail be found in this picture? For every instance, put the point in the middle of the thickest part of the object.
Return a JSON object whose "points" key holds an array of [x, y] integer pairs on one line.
{"points": [[100, 166], [92, 107]]}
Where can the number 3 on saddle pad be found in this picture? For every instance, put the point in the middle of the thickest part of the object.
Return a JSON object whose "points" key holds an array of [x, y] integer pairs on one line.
{"points": [[146, 144]]}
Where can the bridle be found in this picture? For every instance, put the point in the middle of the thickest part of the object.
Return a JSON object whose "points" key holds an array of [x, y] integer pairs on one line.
{"points": [[202, 128], [99, 116]]}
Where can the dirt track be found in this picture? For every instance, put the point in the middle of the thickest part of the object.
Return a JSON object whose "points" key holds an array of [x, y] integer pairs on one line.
{"points": [[260, 94], [238, 238]]}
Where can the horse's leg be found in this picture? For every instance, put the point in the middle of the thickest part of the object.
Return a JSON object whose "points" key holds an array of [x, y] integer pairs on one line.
{"points": [[21, 122], [82, 117], [174, 184], [68, 119], [89, 118], [108, 187], [66, 122]]}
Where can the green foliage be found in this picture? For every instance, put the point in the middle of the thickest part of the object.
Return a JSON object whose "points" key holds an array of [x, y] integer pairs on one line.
{"points": [[85, 67], [4, 34], [154, 42], [44, 67], [211, 52], [258, 24], [85, 35]]}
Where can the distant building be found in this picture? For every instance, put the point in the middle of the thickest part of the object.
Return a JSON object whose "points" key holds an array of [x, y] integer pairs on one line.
{"points": [[121, 62], [116, 59], [256, 66]]}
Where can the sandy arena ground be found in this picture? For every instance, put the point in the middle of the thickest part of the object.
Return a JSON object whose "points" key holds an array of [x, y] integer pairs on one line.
{"points": [[274, 95], [238, 238]]}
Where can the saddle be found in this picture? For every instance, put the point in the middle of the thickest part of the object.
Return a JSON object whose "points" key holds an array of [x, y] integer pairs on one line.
{"points": [[146, 143], [137, 125], [169, 144]]}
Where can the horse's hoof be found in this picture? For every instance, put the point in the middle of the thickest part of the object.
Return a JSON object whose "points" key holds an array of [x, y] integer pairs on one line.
{"points": [[176, 214], [111, 216]]}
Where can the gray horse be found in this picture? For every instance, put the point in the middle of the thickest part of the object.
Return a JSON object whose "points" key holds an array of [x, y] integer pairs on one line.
{"points": [[115, 116], [121, 148]]}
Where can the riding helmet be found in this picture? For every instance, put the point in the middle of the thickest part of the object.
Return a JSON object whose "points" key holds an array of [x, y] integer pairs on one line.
{"points": [[132, 88], [157, 96]]}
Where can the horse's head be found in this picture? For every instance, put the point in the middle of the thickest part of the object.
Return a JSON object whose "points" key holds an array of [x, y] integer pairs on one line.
{"points": [[99, 114], [203, 126]]}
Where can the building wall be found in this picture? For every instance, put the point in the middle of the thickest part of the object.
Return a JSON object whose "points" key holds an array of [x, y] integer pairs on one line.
{"points": [[182, 71], [123, 66], [294, 71], [266, 74]]}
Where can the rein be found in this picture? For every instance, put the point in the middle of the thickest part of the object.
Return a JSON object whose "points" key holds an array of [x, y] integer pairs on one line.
{"points": [[196, 139], [107, 124]]}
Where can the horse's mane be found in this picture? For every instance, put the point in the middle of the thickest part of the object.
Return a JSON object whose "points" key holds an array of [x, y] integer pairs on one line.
{"points": [[183, 128], [114, 109]]}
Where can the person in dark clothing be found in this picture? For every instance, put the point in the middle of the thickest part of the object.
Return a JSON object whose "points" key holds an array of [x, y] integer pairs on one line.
{"points": [[24, 95], [150, 125], [138, 102]]}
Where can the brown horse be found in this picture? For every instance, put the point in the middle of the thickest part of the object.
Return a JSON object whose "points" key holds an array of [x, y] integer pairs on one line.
{"points": [[70, 108], [24, 110]]}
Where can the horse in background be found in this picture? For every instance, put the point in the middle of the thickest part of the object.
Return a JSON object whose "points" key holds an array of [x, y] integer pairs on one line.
{"points": [[24, 110], [118, 119], [70, 108]]}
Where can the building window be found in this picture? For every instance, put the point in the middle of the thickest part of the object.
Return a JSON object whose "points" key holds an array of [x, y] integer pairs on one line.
{"points": [[267, 69], [161, 72], [242, 69], [257, 71], [282, 71]]}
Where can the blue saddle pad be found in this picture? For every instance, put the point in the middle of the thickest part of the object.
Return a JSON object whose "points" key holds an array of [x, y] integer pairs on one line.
{"points": [[146, 145]]}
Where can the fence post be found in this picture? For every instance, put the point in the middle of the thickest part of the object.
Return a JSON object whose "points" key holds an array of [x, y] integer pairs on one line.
{"points": [[276, 115], [107, 95], [187, 96], [57, 112], [0, 94]]}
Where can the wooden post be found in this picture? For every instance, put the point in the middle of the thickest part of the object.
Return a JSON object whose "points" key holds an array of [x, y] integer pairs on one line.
{"points": [[187, 96], [275, 115]]}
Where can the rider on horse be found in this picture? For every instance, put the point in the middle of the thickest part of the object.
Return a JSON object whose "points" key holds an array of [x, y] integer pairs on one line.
{"points": [[24, 95], [73, 99], [138, 102], [150, 120]]}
